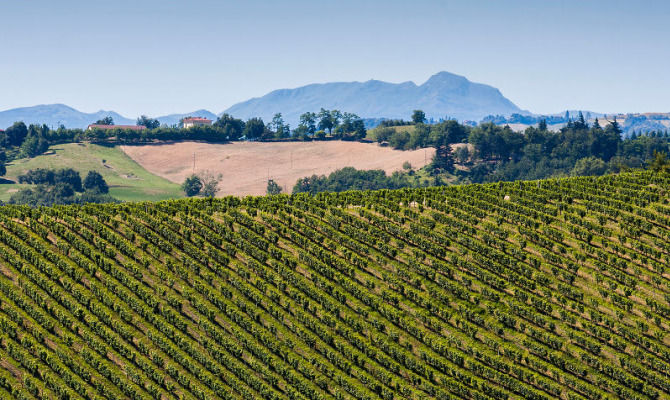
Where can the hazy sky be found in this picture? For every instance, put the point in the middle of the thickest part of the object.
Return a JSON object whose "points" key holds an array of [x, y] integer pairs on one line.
{"points": [[160, 56]]}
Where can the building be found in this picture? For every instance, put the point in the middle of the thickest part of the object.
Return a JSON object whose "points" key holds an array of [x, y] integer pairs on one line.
{"points": [[122, 127], [190, 122]]}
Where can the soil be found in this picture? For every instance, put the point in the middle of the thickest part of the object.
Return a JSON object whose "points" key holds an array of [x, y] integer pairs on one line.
{"points": [[246, 166]]}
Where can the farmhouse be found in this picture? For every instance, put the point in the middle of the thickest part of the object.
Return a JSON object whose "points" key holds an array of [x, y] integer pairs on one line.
{"points": [[122, 127], [190, 122]]}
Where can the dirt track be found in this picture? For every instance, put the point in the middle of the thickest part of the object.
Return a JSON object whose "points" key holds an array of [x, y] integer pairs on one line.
{"points": [[245, 166]]}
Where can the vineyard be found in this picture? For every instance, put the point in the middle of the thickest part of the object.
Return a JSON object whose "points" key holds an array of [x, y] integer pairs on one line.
{"points": [[527, 290]]}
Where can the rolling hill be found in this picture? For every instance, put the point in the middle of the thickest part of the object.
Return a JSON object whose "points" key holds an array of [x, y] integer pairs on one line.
{"points": [[246, 166], [444, 94], [537, 290]]}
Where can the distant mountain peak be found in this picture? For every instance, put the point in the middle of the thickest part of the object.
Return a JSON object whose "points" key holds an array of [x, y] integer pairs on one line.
{"points": [[443, 94], [444, 76]]}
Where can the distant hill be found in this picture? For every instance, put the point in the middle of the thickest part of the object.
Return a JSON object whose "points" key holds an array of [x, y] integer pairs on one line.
{"points": [[56, 114], [444, 94]]}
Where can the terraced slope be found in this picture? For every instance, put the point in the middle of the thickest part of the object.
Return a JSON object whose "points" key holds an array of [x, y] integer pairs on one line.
{"points": [[537, 290]]}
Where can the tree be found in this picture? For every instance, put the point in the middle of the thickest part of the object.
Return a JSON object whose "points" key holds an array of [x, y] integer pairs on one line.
{"points": [[38, 176], [254, 128], [280, 129], [462, 154], [660, 163], [95, 182], [308, 122], [418, 117], [33, 146], [68, 177], [443, 160], [192, 185], [150, 123], [105, 121], [231, 128], [16, 133], [273, 188], [210, 183], [589, 166], [325, 120]]}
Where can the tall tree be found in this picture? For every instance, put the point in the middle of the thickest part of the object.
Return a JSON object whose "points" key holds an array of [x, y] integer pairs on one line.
{"points": [[108, 120], [443, 160], [94, 181], [325, 120], [149, 123], [16, 133], [281, 130], [230, 127], [273, 188], [308, 122], [418, 117], [192, 185], [254, 128]]}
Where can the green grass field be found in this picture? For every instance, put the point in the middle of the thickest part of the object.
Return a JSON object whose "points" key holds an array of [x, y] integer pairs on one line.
{"points": [[127, 180]]}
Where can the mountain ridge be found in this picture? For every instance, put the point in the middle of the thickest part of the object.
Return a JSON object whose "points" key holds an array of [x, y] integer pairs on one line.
{"points": [[442, 95], [56, 114]]}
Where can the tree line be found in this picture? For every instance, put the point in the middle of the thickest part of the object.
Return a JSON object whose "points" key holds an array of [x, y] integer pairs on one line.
{"points": [[498, 153], [61, 186]]}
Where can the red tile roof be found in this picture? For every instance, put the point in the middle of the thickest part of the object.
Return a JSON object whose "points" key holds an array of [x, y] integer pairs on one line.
{"points": [[122, 127], [196, 119]]}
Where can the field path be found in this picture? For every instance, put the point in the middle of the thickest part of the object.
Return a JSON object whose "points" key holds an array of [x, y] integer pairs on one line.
{"points": [[245, 166]]}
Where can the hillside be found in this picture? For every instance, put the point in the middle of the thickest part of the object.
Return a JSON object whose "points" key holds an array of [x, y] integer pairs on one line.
{"points": [[246, 166], [538, 290], [127, 180], [444, 94]]}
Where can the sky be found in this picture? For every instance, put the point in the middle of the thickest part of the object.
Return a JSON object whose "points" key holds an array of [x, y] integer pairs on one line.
{"points": [[157, 57]]}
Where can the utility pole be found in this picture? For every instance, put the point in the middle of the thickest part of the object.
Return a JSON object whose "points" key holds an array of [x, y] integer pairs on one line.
{"points": [[194, 162]]}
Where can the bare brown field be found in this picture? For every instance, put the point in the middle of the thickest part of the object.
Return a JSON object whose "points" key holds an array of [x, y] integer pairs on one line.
{"points": [[246, 166]]}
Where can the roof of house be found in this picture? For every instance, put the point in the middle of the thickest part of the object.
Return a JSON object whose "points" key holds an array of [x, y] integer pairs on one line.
{"points": [[196, 119], [122, 127]]}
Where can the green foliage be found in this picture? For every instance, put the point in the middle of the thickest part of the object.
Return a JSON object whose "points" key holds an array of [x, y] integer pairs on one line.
{"points": [[108, 120], [149, 123], [16, 134], [231, 128], [536, 290], [192, 185], [273, 188], [210, 183], [349, 178], [418, 117], [95, 182], [589, 166], [61, 187], [254, 129]]}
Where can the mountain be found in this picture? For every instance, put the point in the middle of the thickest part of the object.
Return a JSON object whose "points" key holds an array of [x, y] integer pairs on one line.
{"points": [[173, 119], [56, 114], [444, 94]]}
